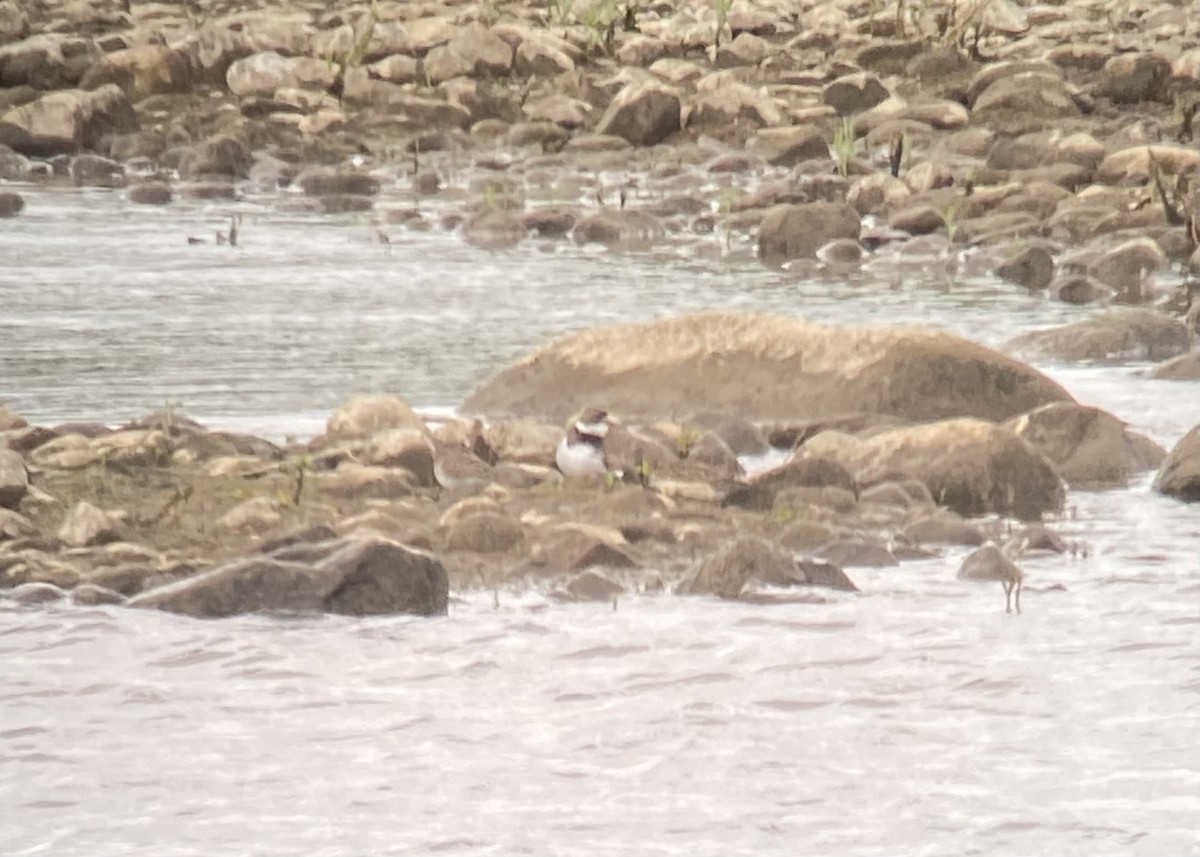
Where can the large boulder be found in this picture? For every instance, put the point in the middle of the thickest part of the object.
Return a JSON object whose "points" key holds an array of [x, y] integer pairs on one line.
{"points": [[473, 51], [1115, 336], [265, 72], [643, 113], [66, 121], [764, 368], [361, 417], [46, 61], [141, 71], [798, 231], [970, 466], [356, 575], [1089, 447], [1179, 475]]}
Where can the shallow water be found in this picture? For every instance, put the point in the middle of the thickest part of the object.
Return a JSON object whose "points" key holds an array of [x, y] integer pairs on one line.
{"points": [[915, 718]]}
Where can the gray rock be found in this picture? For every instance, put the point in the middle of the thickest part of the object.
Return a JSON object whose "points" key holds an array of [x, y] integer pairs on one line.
{"points": [[89, 170], [90, 594], [1115, 336], [67, 121], [484, 532], [11, 203], [1032, 268], [854, 93], [151, 193], [35, 593], [86, 524], [1136, 77], [361, 576]]}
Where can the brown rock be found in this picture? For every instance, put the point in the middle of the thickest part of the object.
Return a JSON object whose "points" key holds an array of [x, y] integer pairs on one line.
{"points": [[484, 532], [141, 71], [1032, 268], [788, 146], [85, 525], [151, 193], [854, 93], [11, 203], [797, 231], [643, 113], [1134, 78], [361, 417], [1185, 367], [1179, 476], [67, 121], [14, 478], [1115, 336]]}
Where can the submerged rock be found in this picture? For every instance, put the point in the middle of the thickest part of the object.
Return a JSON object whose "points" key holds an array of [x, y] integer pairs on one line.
{"points": [[1115, 336]]}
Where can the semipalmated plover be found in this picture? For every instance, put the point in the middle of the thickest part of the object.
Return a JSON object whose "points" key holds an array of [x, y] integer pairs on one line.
{"points": [[581, 452]]}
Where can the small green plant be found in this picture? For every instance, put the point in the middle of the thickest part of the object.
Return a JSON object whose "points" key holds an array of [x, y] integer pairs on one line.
{"points": [[845, 145], [302, 466], [950, 218], [721, 7], [601, 19], [687, 440], [352, 56], [558, 11]]}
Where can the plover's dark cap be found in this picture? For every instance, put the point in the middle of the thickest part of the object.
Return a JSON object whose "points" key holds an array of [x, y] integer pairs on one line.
{"points": [[591, 421]]}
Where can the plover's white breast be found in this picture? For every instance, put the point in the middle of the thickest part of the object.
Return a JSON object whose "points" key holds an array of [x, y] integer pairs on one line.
{"points": [[580, 459]]}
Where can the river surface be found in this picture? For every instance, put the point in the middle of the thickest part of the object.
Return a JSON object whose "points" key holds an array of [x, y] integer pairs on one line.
{"points": [[915, 718]]}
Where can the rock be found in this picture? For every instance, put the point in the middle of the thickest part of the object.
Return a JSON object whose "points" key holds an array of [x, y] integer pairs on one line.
{"points": [[574, 547], [643, 113], [1115, 336], [1179, 476], [151, 193], [88, 170], [802, 471], [359, 481], [11, 203], [797, 231], [619, 229], [141, 71], [788, 146], [473, 51], [591, 585], [1132, 165], [1032, 268], [1134, 78], [495, 229], [66, 121], [763, 368], [263, 73], [408, 448], [219, 155], [14, 479], [13, 23], [356, 576], [321, 181], [255, 515], [1185, 367], [726, 573], [945, 528], [86, 525], [46, 61], [484, 532], [970, 466], [14, 525], [539, 57], [1024, 101], [734, 104], [855, 93], [858, 553], [1088, 447], [1126, 266], [35, 593], [91, 595], [361, 417]]}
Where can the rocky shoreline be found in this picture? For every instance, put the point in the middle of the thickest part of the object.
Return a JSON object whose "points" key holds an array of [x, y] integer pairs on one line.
{"points": [[389, 512], [1050, 145]]}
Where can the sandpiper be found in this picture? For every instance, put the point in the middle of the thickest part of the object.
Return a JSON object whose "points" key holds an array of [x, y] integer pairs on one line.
{"points": [[460, 469], [581, 452]]}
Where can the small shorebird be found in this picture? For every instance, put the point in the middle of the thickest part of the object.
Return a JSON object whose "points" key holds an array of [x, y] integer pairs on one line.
{"points": [[458, 470], [991, 563], [581, 452]]}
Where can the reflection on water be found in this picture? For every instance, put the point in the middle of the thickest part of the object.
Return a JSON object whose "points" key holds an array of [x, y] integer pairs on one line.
{"points": [[916, 718]]}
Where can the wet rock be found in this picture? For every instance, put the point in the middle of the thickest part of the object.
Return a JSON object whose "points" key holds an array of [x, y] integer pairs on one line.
{"points": [[591, 585], [619, 229], [408, 448], [726, 573], [219, 155], [35, 593], [14, 479], [88, 170], [542, 57], [11, 203], [359, 481], [970, 466], [322, 182], [1179, 476], [1126, 267], [917, 220], [1185, 367], [1115, 336], [495, 229], [67, 121], [141, 71], [357, 576], [1032, 268], [1080, 290], [551, 221], [797, 231], [643, 113], [945, 528], [1088, 447], [858, 553], [86, 524], [91, 595], [14, 24], [574, 547], [363, 416], [151, 193], [764, 368], [732, 102]]}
